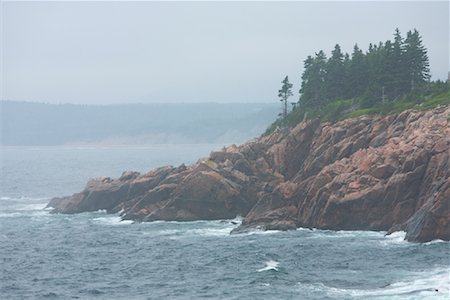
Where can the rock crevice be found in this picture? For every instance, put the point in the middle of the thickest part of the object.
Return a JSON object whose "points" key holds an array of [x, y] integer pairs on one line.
{"points": [[369, 173]]}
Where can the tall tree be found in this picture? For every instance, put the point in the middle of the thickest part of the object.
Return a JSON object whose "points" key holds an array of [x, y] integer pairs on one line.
{"points": [[398, 67], [358, 78], [335, 74], [347, 88], [312, 88], [416, 60], [284, 93]]}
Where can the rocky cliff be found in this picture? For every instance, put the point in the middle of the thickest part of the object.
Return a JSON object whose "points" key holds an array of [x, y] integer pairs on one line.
{"points": [[385, 173]]}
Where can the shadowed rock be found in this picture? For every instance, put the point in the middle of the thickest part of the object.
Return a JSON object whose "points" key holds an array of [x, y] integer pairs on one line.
{"points": [[369, 173]]}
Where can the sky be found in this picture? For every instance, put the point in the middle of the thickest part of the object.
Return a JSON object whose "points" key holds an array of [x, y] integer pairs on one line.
{"points": [[146, 52]]}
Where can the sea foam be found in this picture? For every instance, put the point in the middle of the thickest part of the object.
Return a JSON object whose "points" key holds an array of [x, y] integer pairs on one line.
{"points": [[270, 265], [425, 285]]}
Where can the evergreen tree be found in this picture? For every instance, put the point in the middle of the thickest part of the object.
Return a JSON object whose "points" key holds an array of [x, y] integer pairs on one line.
{"points": [[386, 72], [313, 78], [335, 74], [347, 88], [386, 77], [358, 78], [284, 93], [374, 60], [416, 60], [398, 67]]}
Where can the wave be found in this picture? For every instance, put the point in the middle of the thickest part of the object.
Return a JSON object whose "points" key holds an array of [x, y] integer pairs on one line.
{"points": [[235, 221], [271, 265], [174, 233], [434, 284], [18, 214], [320, 233], [192, 232], [395, 239], [23, 206], [111, 220]]}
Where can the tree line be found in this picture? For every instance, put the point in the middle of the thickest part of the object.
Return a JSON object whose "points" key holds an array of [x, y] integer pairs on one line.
{"points": [[385, 72]]}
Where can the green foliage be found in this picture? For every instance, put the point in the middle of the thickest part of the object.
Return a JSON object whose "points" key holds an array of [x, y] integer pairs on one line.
{"points": [[390, 77], [284, 93], [428, 103], [352, 108], [386, 72]]}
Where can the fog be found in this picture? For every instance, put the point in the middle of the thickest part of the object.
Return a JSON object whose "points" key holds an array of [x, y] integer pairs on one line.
{"points": [[37, 124], [147, 52]]}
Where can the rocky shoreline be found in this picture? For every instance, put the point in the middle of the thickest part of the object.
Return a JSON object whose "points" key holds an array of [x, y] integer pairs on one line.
{"points": [[383, 173]]}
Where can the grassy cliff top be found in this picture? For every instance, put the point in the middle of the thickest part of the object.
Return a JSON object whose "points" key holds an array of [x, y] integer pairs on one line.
{"points": [[351, 108]]}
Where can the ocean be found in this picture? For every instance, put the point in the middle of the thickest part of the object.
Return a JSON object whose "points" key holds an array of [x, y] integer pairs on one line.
{"points": [[96, 256]]}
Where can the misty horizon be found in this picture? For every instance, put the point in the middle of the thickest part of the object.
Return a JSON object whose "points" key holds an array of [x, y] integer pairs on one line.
{"points": [[175, 52]]}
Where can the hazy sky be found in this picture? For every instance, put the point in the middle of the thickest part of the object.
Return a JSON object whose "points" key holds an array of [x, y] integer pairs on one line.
{"points": [[119, 52]]}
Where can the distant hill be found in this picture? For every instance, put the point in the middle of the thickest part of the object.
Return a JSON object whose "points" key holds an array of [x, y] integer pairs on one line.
{"points": [[26, 123]]}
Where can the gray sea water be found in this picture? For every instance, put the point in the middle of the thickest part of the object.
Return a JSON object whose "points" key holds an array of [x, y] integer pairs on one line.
{"points": [[96, 256]]}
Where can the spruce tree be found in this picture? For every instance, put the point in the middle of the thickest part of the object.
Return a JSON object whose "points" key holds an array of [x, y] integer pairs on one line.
{"points": [[347, 88], [313, 78], [358, 73], [416, 60], [335, 75], [284, 93], [398, 67]]}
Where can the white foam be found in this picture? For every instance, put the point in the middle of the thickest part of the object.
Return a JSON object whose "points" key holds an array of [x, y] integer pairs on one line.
{"points": [[339, 234], [11, 205], [211, 231], [34, 206], [426, 285], [434, 242], [15, 214], [270, 265], [395, 239], [24, 199], [10, 215], [111, 220], [185, 232]]}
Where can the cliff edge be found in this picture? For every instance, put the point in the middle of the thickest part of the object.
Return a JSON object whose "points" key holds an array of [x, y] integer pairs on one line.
{"points": [[384, 173]]}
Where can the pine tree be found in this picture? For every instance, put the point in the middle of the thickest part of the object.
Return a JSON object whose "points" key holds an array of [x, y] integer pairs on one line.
{"points": [[398, 68], [312, 88], [284, 93], [416, 60], [347, 88], [386, 77], [358, 73], [374, 59], [335, 75]]}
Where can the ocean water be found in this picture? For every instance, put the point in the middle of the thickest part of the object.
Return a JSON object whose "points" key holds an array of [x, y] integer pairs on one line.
{"points": [[96, 256]]}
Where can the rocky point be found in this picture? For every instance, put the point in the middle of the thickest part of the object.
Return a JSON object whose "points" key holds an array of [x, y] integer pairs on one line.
{"points": [[385, 173]]}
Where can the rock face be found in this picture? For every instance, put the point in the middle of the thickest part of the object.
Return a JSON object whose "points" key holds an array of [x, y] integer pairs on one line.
{"points": [[369, 173]]}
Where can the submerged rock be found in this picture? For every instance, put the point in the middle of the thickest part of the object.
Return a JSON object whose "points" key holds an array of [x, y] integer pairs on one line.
{"points": [[369, 173]]}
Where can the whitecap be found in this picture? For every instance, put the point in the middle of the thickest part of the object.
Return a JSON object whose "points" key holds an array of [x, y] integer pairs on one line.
{"points": [[15, 214], [395, 239], [10, 215], [34, 206], [211, 231], [270, 265], [434, 242], [191, 232], [339, 234], [111, 220], [426, 285]]}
